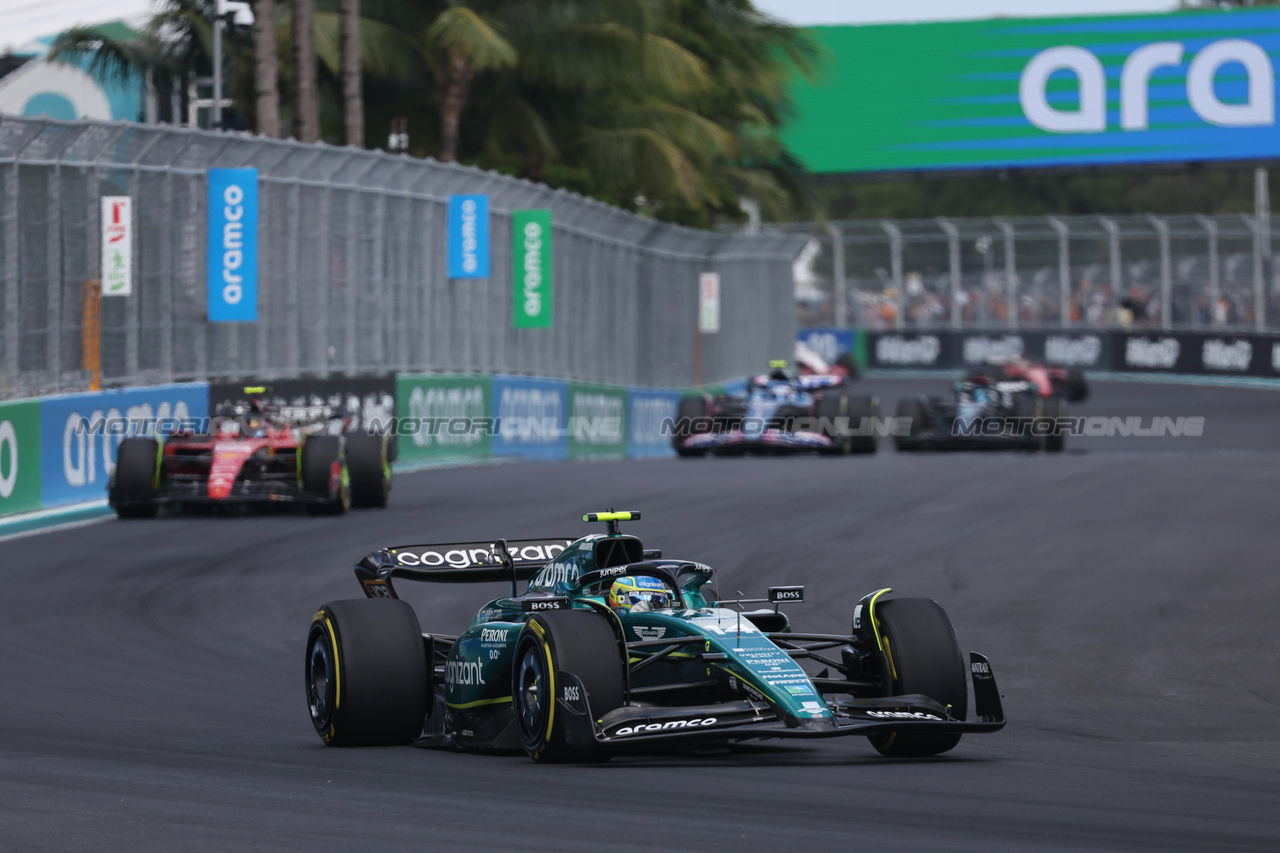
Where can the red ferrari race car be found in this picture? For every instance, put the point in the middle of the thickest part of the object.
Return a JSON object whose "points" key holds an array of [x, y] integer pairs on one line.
{"points": [[1066, 382], [254, 452]]}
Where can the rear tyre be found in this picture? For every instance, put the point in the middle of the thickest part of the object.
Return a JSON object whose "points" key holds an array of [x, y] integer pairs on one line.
{"points": [[838, 412], [580, 642], [1077, 385], [1056, 442], [324, 474], [912, 409], [692, 409], [1030, 408], [369, 467], [924, 657], [366, 673], [134, 485]]}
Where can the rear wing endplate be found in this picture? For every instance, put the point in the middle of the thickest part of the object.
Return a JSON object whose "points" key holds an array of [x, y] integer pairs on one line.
{"points": [[457, 562]]}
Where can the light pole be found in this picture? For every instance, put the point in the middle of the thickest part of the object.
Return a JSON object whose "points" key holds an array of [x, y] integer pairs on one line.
{"points": [[236, 13]]}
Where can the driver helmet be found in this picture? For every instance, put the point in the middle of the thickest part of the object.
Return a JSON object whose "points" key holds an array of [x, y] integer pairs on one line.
{"points": [[639, 594], [778, 371]]}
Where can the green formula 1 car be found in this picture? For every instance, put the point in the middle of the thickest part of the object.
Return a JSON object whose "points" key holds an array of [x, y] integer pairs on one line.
{"points": [[614, 648]]}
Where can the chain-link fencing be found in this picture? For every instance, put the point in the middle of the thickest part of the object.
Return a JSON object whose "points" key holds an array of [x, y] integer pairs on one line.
{"points": [[1157, 272], [352, 271]]}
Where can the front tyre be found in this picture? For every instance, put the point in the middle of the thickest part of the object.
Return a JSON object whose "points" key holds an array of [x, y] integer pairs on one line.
{"points": [[579, 642], [924, 657], [366, 673]]}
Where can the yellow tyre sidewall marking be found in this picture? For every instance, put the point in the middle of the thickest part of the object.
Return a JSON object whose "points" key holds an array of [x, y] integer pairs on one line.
{"points": [[551, 682]]}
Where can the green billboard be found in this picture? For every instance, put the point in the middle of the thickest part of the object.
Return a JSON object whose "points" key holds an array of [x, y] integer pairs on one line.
{"points": [[597, 422], [19, 456], [1041, 92], [531, 268], [443, 416]]}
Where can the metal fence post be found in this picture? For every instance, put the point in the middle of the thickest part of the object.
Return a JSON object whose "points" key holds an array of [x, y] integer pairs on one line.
{"points": [[1254, 224], [1210, 227], [1010, 272], [9, 219], [1113, 253], [1166, 272], [895, 265], [1064, 269], [1262, 210], [839, 282], [953, 265], [53, 337]]}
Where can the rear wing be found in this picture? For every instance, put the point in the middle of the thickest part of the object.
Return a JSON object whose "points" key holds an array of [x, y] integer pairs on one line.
{"points": [[457, 562]]}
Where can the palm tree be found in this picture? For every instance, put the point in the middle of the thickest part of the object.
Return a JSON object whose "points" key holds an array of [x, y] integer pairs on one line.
{"points": [[306, 103], [266, 71], [352, 99]]}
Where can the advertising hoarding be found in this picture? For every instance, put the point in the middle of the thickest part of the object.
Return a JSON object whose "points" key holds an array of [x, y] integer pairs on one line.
{"points": [[531, 268], [19, 456], [443, 416], [80, 434], [1042, 92], [468, 236], [117, 245], [233, 246]]}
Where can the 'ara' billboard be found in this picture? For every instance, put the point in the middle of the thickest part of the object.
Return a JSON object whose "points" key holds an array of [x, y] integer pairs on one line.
{"points": [[1036, 92]]}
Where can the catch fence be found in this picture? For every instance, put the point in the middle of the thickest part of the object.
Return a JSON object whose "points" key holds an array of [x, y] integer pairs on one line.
{"points": [[1140, 272], [352, 271]]}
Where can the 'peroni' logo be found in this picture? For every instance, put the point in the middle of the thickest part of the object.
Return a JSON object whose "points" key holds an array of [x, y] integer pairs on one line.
{"points": [[1090, 113]]}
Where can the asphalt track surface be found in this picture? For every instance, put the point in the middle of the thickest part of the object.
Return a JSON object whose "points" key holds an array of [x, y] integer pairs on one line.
{"points": [[1126, 592]]}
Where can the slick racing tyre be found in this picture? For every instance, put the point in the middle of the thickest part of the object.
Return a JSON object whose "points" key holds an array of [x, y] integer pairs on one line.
{"points": [[366, 673], [580, 642], [369, 467], [137, 475], [912, 409], [1056, 441], [924, 657], [690, 409], [1077, 385], [1029, 409], [837, 413], [324, 473]]}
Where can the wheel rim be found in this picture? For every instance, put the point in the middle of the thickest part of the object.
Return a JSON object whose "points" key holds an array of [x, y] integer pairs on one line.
{"points": [[319, 679], [529, 693]]}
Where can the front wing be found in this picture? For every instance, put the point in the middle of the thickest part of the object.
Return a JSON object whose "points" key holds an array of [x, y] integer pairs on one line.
{"points": [[630, 726], [773, 441]]}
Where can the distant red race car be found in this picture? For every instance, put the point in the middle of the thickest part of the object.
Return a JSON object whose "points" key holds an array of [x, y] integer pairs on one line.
{"points": [[1066, 382], [253, 452]]}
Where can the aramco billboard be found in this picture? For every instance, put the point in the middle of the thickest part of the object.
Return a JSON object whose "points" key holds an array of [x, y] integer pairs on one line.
{"points": [[1042, 92]]}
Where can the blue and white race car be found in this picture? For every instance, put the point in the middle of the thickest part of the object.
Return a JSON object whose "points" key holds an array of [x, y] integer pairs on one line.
{"points": [[779, 413]]}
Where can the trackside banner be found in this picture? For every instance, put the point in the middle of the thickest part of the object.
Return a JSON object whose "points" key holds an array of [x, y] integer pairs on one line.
{"points": [[649, 407], [468, 236], [233, 246], [1147, 351], [532, 417], [1041, 92], [442, 416], [597, 422], [531, 269], [19, 456], [80, 433]]}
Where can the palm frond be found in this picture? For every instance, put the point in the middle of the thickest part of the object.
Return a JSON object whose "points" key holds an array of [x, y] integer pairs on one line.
{"points": [[461, 31]]}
